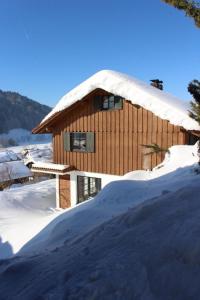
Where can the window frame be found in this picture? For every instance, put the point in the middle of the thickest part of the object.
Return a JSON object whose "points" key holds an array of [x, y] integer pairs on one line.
{"points": [[79, 139], [89, 138], [112, 101], [84, 192]]}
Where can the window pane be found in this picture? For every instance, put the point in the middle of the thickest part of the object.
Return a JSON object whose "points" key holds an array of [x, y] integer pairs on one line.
{"points": [[78, 141], [105, 102], [87, 187], [118, 102], [111, 102]]}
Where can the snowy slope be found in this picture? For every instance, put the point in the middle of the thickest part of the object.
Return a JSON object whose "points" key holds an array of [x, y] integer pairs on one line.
{"points": [[116, 198], [160, 103], [151, 252], [35, 151], [24, 211], [138, 239]]}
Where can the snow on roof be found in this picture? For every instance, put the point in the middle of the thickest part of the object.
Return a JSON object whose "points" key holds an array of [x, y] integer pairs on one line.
{"points": [[8, 155], [35, 155], [13, 170], [160, 103], [50, 166]]}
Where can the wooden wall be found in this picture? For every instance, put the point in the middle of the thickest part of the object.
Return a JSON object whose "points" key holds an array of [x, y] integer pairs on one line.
{"points": [[119, 135], [64, 191]]}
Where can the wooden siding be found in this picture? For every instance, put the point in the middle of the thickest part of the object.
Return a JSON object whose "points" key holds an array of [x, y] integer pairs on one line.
{"points": [[119, 135], [64, 191]]}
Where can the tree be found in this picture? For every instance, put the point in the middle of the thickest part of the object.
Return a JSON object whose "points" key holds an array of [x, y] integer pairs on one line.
{"points": [[191, 8], [194, 90]]}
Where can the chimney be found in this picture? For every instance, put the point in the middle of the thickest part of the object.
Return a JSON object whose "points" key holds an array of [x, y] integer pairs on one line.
{"points": [[157, 83]]}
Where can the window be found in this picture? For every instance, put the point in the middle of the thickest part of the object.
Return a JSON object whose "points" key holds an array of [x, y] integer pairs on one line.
{"points": [[108, 102], [111, 102], [79, 141], [87, 187]]}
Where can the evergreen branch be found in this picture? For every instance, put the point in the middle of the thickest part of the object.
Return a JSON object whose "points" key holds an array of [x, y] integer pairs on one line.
{"points": [[155, 148]]}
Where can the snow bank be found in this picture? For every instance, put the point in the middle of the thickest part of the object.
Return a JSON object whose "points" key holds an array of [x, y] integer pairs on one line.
{"points": [[150, 252], [178, 157], [160, 103], [136, 239], [116, 198]]}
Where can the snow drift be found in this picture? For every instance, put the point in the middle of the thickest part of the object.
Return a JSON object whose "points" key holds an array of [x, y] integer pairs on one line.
{"points": [[151, 252], [138, 239]]}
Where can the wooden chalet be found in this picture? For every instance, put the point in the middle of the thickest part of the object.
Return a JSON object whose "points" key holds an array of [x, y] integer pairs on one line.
{"points": [[99, 128]]}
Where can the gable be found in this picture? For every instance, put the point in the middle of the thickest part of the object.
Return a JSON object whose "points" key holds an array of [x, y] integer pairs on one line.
{"points": [[163, 105]]}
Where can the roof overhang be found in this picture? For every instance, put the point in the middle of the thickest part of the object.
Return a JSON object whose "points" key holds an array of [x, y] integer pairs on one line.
{"points": [[51, 168], [47, 126], [195, 132]]}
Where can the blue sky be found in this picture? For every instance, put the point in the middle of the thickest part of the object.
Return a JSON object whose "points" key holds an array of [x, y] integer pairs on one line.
{"points": [[49, 46]]}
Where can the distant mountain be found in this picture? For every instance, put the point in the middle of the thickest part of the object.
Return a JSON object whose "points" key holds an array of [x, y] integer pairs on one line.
{"points": [[17, 111]]}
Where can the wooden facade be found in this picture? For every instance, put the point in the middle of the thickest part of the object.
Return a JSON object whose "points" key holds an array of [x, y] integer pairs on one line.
{"points": [[119, 136], [64, 191]]}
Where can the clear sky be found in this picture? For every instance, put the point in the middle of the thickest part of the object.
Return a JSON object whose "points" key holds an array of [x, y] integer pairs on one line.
{"points": [[49, 46]]}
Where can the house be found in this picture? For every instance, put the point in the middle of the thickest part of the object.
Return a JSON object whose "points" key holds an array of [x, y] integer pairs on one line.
{"points": [[99, 128], [12, 169]]}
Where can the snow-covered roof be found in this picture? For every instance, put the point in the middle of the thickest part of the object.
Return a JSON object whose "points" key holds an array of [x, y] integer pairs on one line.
{"points": [[160, 103], [13, 170], [50, 168], [8, 155], [35, 155]]}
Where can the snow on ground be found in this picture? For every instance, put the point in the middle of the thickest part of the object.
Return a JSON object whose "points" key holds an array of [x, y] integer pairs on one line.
{"points": [[116, 198], [34, 154], [149, 252], [35, 150], [164, 105], [24, 211], [137, 239]]}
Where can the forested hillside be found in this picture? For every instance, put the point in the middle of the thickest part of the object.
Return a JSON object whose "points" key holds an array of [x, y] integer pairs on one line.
{"points": [[17, 111]]}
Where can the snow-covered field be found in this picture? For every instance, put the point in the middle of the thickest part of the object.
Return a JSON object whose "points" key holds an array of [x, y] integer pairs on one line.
{"points": [[138, 239]]}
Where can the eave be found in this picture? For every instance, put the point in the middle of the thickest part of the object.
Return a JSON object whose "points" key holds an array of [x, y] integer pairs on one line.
{"points": [[48, 125], [52, 168]]}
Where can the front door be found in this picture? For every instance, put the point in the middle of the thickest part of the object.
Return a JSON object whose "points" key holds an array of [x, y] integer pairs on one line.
{"points": [[87, 187]]}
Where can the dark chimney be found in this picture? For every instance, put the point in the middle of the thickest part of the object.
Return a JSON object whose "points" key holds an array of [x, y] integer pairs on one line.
{"points": [[157, 83]]}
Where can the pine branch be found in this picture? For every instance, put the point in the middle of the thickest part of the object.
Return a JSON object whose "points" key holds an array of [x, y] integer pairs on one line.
{"points": [[191, 8], [155, 148]]}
